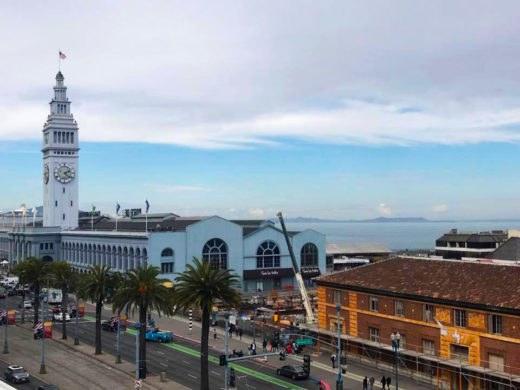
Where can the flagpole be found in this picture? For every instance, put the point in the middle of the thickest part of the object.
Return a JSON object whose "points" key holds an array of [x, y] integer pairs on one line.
{"points": [[59, 60], [146, 222]]}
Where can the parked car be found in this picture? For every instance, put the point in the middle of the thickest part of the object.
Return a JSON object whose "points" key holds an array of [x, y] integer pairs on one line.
{"points": [[58, 316], [157, 335], [27, 305], [48, 387], [293, 372], [107, 325], [16, 374], [11, 292]]}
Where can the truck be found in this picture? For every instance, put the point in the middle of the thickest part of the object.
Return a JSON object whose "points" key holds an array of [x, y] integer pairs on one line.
{"points": [[53, 296], [157, 335]]}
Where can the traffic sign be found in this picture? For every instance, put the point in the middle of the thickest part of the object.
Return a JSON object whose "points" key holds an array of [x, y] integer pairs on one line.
{"points": [[303, 342], [138, 383]]}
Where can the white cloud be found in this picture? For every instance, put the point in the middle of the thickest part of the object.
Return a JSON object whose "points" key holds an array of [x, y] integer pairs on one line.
{"points": [[440, 208], [257, 212], [384, 210], [222, 76]]}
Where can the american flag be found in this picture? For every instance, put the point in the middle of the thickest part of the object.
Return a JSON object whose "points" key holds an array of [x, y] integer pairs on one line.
{"points": [[38, 327], [62, 55], [114, 320]]}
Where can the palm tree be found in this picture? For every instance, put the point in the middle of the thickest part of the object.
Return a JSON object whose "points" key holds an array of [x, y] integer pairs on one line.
{"points": [[142, 290], [95, 286], [33, 271], [63, 277], [201, 286]]}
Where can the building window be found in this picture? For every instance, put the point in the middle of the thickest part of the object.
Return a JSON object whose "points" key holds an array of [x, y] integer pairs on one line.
{"points": [[337, 297], [428, 347], [63, 189], [496, 362], [495, 324], [51, 246], [167, 268], [460, 318], [215, 252], [41, 246], [167, 252], [374, 335], [428, 313], [374, 304], [309, 255], [399, 308], [63, 217], [56, 203], [46, 245], [268, 255], [71, 203]]}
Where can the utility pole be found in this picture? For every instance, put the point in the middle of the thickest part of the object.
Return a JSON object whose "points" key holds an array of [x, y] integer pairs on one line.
{"points": [[44, 317], [76, 338], [226, 377], [339, 383], [118, 340], [137, 328], [6, 348]]}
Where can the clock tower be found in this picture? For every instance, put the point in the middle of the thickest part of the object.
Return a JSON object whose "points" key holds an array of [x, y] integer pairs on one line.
{"points": [[60, 162]]}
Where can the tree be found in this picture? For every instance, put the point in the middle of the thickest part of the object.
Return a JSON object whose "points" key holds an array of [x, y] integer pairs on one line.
{"points": [[33, 271], [201, 286], [95, 286], [142, 290], [63, 276]]}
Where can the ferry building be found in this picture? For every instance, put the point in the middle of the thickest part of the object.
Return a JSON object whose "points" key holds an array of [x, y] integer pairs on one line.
{"points": [[255, 249]]}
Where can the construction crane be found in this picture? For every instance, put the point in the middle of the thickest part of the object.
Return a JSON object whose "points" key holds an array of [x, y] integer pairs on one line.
{"points": [[309, 315]]}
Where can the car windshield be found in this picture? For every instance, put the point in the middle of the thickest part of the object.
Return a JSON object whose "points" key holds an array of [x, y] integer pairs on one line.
{"points": [[18, 370], [298, 368]]}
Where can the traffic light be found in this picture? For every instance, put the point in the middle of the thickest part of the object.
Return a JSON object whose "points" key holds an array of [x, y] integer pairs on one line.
{"points": [[222, 360], [232, 377], [307, 364]]}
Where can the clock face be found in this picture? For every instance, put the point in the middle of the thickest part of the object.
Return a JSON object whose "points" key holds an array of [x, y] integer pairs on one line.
{"points": [[46, 173], [64, 173]]}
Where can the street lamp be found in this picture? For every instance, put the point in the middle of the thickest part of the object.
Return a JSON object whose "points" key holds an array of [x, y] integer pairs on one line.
{"points": [[6, 348], [339, 383], [396, 338], [137, 329]]}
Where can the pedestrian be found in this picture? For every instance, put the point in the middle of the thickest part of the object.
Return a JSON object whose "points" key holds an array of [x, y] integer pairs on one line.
{"points": [[230, 333], [289, 349], [388, 381], [240, 333], [371, 382], [215, 333], [253, 348], [383, 383], [237, 331], [264, 346], [333, 360], [365, 383]]}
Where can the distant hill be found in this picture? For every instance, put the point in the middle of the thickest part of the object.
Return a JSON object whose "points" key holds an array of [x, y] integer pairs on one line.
{"points": [[374, 220]]}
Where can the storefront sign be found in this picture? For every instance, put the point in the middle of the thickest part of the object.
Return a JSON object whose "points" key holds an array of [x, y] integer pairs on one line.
{"points": [[311, 272], [267, 273]]}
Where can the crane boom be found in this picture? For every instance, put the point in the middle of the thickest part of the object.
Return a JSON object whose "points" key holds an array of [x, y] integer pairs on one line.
{"points": [[309, 315]]}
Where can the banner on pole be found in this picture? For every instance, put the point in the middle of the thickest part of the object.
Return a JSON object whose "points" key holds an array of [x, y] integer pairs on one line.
{"points": [[81, 310], [11, 317], [122, 325], [47, 326]]}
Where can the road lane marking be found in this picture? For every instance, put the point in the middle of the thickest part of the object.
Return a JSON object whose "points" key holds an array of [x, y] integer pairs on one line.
{"points": [[162, 364], [193, 376], [186, 362], [160, 353], [216, 373], [242, 369]]}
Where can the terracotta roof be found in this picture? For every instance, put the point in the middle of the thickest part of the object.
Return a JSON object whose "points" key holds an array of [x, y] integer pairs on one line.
{"points": [[455, 282]]}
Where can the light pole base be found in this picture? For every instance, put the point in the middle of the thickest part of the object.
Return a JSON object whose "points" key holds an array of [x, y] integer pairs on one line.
{"points": [[42, 369], [76, 341], [339, 385], [6, 350], [118, 359]]}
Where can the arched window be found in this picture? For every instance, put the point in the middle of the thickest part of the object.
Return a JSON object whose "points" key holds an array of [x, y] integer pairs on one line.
{"points": [[215, 251], [268, 255], [309, 255], [167, 252]]}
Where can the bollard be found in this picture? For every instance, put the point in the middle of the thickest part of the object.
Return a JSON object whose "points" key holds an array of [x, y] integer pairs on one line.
{"points": [[163, 376]]}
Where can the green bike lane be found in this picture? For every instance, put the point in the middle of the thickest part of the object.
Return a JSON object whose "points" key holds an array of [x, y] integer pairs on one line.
{"points": [[237, 367]]}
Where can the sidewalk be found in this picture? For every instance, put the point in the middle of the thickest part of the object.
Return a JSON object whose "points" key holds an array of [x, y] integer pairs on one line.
{"points": [[74, 367]]}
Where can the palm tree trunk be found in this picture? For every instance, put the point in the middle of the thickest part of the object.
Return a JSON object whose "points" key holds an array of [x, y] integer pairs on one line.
{"points": [[64, 302], [36, 302], [99, 306], [204, 340], [142, 342]]}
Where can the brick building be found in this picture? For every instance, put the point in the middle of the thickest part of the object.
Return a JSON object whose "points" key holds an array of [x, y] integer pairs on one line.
{"points": [[459, 322]]}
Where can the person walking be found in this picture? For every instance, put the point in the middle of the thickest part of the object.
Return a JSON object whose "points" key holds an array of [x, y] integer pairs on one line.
{"points": [[237, 331], [383, 383], [388, 381], [264, 346], [333, 360], [214, 333], [240, 331], [371, 382], [365, 383]]}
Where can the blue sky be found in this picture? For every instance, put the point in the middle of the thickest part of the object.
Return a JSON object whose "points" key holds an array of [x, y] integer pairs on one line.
{"points": [[354, 110]]}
